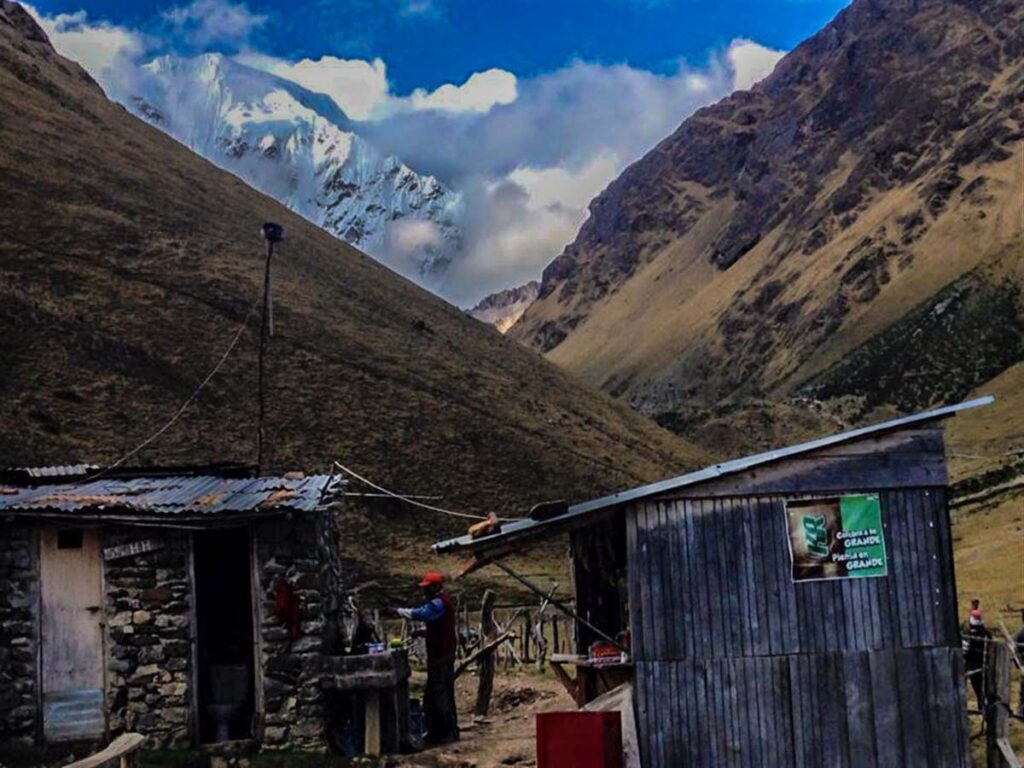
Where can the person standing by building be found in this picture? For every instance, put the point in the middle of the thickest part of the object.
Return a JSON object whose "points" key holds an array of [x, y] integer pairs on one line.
{"points": [[438, 614], [974, 646]]}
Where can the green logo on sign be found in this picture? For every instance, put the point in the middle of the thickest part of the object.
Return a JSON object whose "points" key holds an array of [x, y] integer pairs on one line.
{"points": [[816, 535]]}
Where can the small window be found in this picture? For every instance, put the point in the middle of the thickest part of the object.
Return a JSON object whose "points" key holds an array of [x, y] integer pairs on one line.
{"points": [[71, 539]]}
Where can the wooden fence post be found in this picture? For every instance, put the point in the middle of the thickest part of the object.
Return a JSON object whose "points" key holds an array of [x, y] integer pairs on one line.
{"points": [[997, 708], [523, 640], [372, 722], [540, 640], [488, 631]]}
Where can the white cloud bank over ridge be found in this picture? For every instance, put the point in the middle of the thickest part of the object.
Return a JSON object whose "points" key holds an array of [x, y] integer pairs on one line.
{"points": [[750, 62], [359, 87], [480, 92], [527, 154], [362, 90], [97, 46]]}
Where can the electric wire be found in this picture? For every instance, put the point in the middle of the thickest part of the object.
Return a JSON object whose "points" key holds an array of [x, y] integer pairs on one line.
{"points": [[408, 500], [191, 398]]}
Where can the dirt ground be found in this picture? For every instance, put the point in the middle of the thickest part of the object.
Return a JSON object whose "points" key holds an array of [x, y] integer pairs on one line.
{"points": [[506, 736]]}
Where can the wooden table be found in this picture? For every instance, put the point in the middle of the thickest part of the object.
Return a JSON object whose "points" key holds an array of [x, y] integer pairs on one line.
{"points": [[591, 679]]}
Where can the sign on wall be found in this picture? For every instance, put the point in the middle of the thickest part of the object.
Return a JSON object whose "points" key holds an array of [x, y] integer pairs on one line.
{"points": [[836, 538], [132, 548]]}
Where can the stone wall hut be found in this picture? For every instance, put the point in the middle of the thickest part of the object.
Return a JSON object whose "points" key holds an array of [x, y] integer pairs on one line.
{"points": [[190, 608], [793, 608]]}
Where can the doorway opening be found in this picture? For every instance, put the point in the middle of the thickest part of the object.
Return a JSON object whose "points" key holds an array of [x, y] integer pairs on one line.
{"points": [[224, 635]]}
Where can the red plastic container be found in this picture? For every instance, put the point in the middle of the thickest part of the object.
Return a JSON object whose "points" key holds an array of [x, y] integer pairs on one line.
{"points": [[579, 740]]}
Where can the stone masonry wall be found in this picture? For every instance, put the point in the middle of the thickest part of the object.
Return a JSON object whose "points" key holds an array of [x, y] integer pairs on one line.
{"points": [[19, 640], [148, 604], [288, 554]]}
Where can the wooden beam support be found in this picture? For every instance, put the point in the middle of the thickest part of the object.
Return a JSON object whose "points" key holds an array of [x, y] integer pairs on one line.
{"points": [[559, 605], [372, 736], [488, 632], [489, 648]]}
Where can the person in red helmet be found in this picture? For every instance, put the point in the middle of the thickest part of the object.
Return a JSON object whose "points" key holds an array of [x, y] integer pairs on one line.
{"points": [[438, 614], [975, 640]]}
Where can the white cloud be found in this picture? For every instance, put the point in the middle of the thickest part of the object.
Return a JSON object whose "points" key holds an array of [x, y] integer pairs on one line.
{"points": [[204, 23], [418, 8], [751, 63], [519, 223], [405, 238], [529, 168], [98, 46], [362, 90], [479, 93], [561, 186], [358, 87]]}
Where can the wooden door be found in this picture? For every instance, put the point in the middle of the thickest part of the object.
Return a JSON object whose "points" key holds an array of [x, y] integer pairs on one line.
{"points": [[70, 563]]}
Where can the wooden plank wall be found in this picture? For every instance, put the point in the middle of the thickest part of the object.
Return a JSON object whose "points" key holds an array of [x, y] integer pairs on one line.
{"points": [[735, 662], [870, 709], [714, 582]]}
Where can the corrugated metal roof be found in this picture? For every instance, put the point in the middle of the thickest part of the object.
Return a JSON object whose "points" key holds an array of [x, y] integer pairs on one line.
{"points": [[198, 496], [530, 527]]}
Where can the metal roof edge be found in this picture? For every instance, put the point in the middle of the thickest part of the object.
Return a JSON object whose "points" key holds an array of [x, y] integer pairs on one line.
{"points": [[171, 498], [709, 473]]}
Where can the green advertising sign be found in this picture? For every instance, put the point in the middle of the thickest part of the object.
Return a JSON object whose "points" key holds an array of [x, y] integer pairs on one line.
{"points": [[836, 538]]}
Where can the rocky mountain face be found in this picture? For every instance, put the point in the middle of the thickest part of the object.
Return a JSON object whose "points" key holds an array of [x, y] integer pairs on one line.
{"points": [[129, 265], [851, 226], [504, 308], [300, 148]]}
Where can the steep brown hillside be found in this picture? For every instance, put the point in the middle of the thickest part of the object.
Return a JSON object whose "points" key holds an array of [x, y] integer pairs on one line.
{"points": [[854, 225], [127, 263]]}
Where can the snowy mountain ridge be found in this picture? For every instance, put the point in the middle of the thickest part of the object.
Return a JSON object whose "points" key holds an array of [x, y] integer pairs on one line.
{"points": [[299, 147]]}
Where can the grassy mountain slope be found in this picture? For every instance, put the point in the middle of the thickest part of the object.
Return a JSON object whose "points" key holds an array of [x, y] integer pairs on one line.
{"points": [[127, 263], [782, 240]]}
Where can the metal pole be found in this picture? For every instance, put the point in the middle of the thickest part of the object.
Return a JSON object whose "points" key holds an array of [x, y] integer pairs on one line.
{"points": [[264, 339], [559, 605]]}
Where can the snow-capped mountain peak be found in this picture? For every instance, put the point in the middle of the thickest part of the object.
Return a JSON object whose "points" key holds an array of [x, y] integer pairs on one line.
{"points": [[300, 148]]}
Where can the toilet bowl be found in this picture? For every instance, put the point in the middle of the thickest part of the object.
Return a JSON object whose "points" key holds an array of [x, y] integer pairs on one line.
{"points": [[222, 715], [229, 690]]}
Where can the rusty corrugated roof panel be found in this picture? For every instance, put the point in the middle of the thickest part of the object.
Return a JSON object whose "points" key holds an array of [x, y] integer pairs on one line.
{"points": [[201, 495]]}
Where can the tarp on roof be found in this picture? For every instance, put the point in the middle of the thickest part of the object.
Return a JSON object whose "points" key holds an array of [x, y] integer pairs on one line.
{"points": [[529, 528], [201, 496]]}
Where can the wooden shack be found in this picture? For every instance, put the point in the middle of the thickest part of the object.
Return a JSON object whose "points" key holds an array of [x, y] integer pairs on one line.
{"points": [[793, 608]]}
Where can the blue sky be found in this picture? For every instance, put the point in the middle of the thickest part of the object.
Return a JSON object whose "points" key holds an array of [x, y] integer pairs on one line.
{"points": [[430, 42]]}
